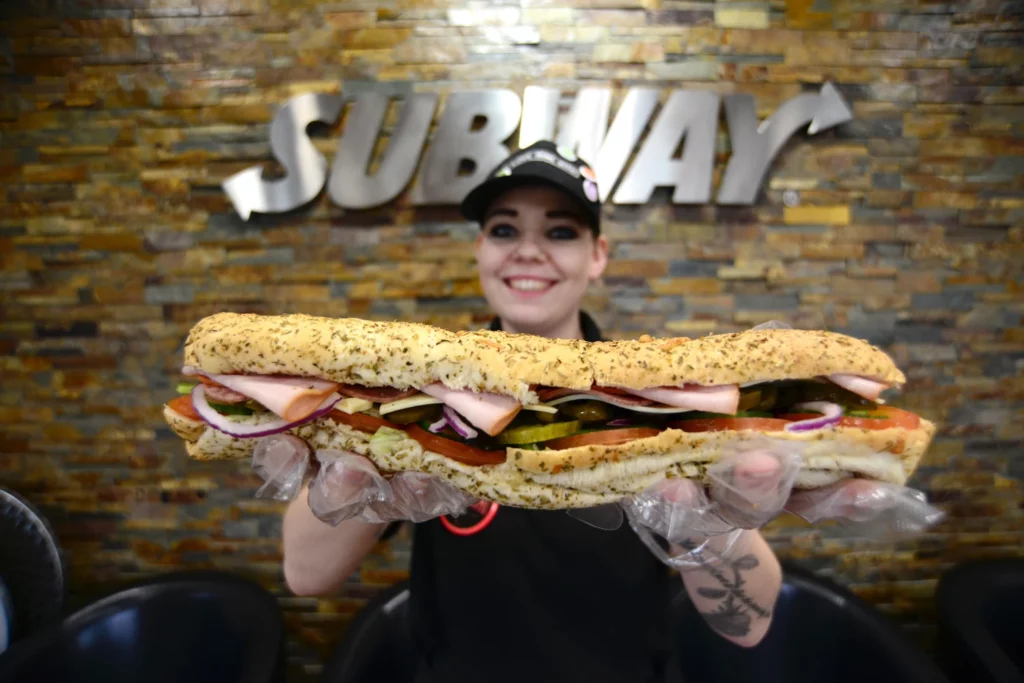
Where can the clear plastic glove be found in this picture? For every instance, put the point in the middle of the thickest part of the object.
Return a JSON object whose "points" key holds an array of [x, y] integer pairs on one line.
{"points": [[349, 486], [282, 461], [688, 526], [867, 508]]}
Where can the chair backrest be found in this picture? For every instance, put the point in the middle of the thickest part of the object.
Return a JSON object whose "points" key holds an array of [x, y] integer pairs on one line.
{"points": [[820, 632], [31, 567], [378, 645], [189, 626], [980, 633]]}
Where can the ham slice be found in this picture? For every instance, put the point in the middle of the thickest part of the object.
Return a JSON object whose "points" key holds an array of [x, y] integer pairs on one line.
{"points": [[862, 386], [618, 396], [488, 412], [375, 394], [721, 399], [551, 393], [293, 398]]}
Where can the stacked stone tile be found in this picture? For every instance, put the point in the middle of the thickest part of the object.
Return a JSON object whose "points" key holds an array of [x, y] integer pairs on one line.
{"points": [[120, 119]]}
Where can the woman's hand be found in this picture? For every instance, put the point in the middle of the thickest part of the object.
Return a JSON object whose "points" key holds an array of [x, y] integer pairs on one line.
{"points": [[348, 485], [750, 487]]}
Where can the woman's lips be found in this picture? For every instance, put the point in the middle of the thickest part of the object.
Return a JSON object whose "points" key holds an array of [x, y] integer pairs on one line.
{"points": [[529, 286]]}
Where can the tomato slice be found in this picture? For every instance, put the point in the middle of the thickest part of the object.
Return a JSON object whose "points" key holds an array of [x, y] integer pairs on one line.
{"points": [[455, 450], [884, 417], [607, 437], [183, 406], [725, 424], [362, 421]]}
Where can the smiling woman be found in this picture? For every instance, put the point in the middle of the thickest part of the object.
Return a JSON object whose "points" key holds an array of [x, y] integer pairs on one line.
{"points": [[539, 248], [540, 244], [536, 256]]}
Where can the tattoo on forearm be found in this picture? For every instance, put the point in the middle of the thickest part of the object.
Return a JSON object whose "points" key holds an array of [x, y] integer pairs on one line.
{"points": [[731, 615]]}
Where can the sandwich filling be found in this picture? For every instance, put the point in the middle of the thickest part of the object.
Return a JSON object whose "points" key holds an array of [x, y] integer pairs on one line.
{"points": [[475, 428]]}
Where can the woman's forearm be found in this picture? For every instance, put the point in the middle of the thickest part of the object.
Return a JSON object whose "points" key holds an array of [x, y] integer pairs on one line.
{"points": [[736, 596], [319, 557]]}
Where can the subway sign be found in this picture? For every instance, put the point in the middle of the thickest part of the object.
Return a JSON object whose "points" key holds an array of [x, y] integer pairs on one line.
{"points": [[472, 133]]}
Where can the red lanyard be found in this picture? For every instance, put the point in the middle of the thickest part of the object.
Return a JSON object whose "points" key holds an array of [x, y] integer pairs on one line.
{"points": [[485, 508]]}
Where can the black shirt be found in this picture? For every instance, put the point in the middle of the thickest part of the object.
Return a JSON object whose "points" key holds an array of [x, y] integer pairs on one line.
{"points": [[540, 596]]}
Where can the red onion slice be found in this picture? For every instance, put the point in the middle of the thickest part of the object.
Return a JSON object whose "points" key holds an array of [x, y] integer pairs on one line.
{"points": [[459, 425], [831, 414], [438, 426], [222, 424], [620, 422]]}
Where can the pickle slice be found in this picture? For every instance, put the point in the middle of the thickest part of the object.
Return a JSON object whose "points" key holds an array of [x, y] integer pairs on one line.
{"points": [[535, 433]]}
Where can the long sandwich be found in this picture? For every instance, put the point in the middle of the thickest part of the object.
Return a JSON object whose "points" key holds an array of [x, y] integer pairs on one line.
{"points": [[541, 423]]}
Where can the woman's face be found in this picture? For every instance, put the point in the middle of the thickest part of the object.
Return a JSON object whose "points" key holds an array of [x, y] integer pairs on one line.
{"points": [[536, 255]]}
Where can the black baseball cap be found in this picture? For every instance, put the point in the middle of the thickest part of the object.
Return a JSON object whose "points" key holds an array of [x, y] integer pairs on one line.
{"points": [[542, 163]]}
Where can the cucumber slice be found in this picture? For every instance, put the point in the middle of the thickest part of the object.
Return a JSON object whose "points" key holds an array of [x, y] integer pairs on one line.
{"points": [[536, 433], [231, 409]]}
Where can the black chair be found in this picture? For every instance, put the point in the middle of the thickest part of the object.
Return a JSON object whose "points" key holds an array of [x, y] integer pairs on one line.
{"points": [[378, 644], [194, 627], [981, 636], [820, 633], [31, 567]]}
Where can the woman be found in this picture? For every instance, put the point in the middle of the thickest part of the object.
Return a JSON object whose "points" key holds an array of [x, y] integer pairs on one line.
{"points": [[540, 595]]}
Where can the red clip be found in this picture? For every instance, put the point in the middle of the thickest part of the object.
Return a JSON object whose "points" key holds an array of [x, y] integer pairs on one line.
{"points": [[488, 510]]}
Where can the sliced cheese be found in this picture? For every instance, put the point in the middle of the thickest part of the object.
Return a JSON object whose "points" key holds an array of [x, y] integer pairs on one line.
{"points": [[611, 399], [540, 408], [353, 405], [411, 402]]}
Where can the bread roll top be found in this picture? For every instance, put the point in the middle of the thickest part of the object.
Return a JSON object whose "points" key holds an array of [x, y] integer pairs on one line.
{"points": [[412, 355]]}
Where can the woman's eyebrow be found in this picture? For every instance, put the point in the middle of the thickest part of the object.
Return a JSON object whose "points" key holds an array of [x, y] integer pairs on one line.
{"points": [[562, 213], [501, 211]]}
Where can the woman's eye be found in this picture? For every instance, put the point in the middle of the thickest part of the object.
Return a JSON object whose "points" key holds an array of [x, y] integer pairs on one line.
{"points": [[563, 232], [502, 231]]}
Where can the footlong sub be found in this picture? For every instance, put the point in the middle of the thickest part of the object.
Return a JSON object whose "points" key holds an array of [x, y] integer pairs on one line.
{"points": [[540, 423]]}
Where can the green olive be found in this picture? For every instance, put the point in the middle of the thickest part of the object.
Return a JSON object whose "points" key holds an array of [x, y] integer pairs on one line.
{"points": [[808, 391], [587, 411], [417, 414], [769, 395], [750, 399]]}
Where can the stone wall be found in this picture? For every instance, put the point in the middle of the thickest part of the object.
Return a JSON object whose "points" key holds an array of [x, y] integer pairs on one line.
{"points": [[119, 119]]}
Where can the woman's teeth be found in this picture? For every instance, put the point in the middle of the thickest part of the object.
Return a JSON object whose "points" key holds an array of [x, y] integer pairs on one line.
{"points": [[528, 284]]}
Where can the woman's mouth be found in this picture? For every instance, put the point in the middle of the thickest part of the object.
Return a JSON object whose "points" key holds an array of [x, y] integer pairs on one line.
{"points": [[529, 286]]}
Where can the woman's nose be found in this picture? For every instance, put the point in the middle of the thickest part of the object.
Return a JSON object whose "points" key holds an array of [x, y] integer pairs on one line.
{"points": [[528, 249]]}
